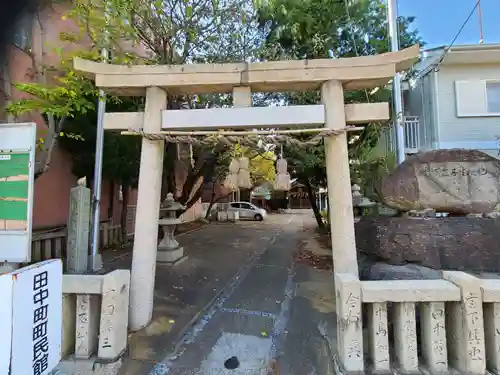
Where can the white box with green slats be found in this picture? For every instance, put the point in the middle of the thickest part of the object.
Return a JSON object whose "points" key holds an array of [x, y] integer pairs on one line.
{"points": [[17, 172]]}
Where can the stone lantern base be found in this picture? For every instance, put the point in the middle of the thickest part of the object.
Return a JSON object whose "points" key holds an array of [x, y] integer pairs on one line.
{"points": [[170, 257]]}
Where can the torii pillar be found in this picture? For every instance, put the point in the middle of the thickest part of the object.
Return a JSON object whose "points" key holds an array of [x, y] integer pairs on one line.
{"points": [[345, 264], [147, 213], [339, 181]]}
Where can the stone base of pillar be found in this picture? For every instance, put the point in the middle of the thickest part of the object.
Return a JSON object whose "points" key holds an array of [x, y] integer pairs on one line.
{"points": [[95, 264], [170, 257], [91, 366]]}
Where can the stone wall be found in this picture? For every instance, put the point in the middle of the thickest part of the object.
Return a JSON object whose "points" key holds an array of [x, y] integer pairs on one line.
{"points": [[452, 243]]}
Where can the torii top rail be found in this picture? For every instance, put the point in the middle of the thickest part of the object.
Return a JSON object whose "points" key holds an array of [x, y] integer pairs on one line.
{"points": [[276, 76], [331, 119]]}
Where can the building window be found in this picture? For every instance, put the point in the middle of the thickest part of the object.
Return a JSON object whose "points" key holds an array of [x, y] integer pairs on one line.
{"points": [[493, 96], [477, 98], [23, 33]]}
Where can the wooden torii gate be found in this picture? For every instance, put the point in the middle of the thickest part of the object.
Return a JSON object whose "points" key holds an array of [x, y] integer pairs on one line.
{"points": [[331, 76]]}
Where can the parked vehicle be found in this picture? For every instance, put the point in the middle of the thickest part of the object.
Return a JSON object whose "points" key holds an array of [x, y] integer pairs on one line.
{"points": [[248, 210]]}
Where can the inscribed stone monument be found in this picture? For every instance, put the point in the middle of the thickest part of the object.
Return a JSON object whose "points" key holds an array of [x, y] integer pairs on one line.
{"points": [[455, 181]]}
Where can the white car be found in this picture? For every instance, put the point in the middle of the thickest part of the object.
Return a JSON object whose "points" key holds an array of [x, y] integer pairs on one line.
{"points": [[248, 210]]}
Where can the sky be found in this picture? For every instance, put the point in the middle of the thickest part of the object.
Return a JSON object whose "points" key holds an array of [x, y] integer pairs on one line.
{"points": [[440, 20]]}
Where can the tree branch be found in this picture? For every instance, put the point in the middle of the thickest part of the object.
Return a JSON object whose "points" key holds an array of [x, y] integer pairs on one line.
{"points": [[44, 165], [193, 199]]}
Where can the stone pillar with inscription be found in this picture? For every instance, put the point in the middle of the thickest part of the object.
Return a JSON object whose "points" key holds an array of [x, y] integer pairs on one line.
{"points": [[379, 337], [87, 306], [433, 336], [405, 337], [78, 230], [465, 325], [349, 324]]}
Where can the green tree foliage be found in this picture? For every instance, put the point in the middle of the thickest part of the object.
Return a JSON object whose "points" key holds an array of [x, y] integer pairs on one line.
{"points": [[172, 31], [72, 95], [327, 28], [177, 32], [121, 153], [262, 163], [262, 167], [307, 29]]}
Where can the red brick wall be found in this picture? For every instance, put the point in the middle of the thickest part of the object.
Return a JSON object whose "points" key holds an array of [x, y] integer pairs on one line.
{"points": [[51, 196]]}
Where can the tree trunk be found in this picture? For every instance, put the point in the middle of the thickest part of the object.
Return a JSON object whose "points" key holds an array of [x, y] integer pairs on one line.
{"points": [[168, 178], [212, 201], [206, 172], [312, 200], [168, 184], [210, 205], [123, 215], [190, 203]]}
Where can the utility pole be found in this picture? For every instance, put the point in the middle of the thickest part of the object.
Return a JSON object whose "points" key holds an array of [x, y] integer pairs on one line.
{"points": [[95, 261], [392, 18]]}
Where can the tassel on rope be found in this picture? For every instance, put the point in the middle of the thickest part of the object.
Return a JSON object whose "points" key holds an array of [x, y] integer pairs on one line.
{"points": [[244, 180], [282, 177], [232, 178]]}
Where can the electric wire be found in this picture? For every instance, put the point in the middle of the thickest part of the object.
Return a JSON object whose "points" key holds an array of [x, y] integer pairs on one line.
{"points": [[436, 65]]}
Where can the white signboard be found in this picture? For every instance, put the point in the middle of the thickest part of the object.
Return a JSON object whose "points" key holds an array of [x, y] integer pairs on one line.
{"points": [[17, 171], [5, 322], [37, 318]]}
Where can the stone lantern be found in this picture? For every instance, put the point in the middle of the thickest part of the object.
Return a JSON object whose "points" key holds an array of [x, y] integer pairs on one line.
{"points": [[356, 195], [360, 203], [169, 250]]}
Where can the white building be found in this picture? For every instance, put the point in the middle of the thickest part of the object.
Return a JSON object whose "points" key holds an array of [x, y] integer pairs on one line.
{"points": [[453, 101]]}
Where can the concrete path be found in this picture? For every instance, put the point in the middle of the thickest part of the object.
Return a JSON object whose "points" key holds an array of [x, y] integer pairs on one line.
{"points": [[239, 305]]}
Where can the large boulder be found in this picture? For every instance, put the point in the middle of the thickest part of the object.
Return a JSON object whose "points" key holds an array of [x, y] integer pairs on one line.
{"points": [[451, 243], [456, 181]]}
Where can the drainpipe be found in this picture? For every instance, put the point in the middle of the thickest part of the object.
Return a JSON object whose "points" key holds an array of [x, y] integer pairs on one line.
{"points": [[392, 15], [95, 261]]}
